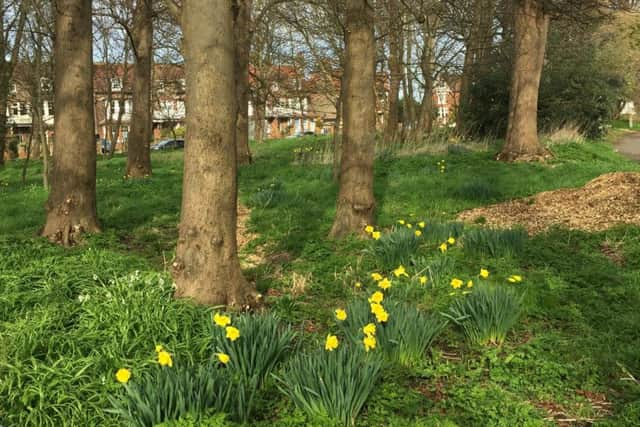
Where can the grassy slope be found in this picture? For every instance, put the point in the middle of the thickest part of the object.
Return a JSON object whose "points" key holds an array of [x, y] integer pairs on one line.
{"points": [[58, 354]]}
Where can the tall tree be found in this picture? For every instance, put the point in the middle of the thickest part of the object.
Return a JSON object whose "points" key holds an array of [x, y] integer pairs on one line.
{"points": [[356, 203], [71, 207], [243, 31], [141, 134], [396, 45], [207, 267]]}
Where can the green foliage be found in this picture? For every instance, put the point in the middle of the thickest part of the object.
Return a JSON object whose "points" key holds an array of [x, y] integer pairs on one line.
{"points": [[171, 393], [333, 384], [477, 190], [268, 196], [494, 242], [395, 248], [438, 232], [487, 314]]}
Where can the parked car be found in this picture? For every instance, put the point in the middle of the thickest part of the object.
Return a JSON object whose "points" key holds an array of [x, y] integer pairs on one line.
{"points": [[168, 144]]}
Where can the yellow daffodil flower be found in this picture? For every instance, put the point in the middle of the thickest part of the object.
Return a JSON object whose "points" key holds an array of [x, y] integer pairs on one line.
{"points": [[158, 348], [164, 359], [443, 248], [401, 221], [400, 271], [369, 229], [221, 320], [451, 240], [418, 233], [515, 279], [384, 284], [369, 342], [376, 297], [456, 283], [369, 329], [376, 276], [232, 333], [484, 273], [421, 224], [382, 316], [358, 285], [409, 226], [376, 307], [123, 375], [223, 358], [341, 314], [470, 284], [376, 235], [331, 343], [423, 280]]}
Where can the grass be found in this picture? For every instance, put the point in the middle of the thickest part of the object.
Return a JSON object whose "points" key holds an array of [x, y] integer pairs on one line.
{"points": [[70, 318]]}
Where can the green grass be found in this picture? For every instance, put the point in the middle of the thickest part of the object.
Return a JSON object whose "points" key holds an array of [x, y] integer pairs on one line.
{"points": [[70, 318]]}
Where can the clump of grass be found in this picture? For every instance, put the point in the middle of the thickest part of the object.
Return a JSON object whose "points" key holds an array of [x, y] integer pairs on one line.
{"points": [[268, 196], [441, 231], [477, 190], [333, 385], [438, 269], [487, 315], [494, 242], [395, 248]]}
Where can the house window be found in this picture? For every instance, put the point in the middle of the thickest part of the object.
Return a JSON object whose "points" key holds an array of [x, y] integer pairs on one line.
{"points": [[15, 109], [45, 84], [25, 109], [115, 107], [14, 88], [127, 107], [116, 84], [161, 86], [125, 133]]}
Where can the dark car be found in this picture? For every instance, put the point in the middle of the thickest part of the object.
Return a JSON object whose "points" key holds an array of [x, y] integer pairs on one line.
{"points": [[169, 144]]}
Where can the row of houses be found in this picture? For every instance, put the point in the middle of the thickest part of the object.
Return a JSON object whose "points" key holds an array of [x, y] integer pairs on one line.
{"points": [[284, 103]]}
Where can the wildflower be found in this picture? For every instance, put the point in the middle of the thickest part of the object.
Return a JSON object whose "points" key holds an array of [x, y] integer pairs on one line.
{"points": [[484, 273], [358, 285], [223, 358], [515, 279], [341, 314], [221, 320], [401, 221], [369, 342], [456, 283], [123, 375], [400, 271], [409, 226], [376, 297], [443, 248], [418, 233], [164, 359], [159, 348], [376, 307], [376, 276], [470, 284], [423, 280], [384, 284], [451, 240], [369, 229], [382, 315], [421, 224], [369, 329], [376, 235], [331, 343], [232, 333]]}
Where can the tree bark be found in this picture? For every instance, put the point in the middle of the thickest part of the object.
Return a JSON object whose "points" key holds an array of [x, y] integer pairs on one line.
{"points": [[260, 113], [425, 121], [396, 44], [242, 29], [207, 267], [356, 203], [531, 26], [71, 207], [140, 135]]}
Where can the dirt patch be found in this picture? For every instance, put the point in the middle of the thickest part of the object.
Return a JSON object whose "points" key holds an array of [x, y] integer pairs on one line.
{"points": [[244, 236], [608, 200]]}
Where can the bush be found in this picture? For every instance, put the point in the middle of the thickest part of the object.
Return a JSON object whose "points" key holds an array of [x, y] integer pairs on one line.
{"points": [[487, 314], [494, 242], [333, 385]]}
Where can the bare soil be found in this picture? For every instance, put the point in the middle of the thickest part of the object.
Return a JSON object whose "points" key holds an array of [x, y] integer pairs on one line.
{"points": [[606, 201]]}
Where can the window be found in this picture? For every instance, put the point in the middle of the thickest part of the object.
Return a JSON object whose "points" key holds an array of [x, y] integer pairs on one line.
{"points": [[125, 133], [51, 107], [127, 107], [161, 86], [25, 109], [45, 84], [14, 88], [15, 109], [116, 85]]}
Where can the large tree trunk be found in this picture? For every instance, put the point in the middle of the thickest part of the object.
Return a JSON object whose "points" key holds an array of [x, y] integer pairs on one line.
{"points": [[140, 135], [531, 26], [396, 44], [207, 267], [336, 138], [71, 207], [356, 203], [425, 123], [260, 113], [242, 29]]}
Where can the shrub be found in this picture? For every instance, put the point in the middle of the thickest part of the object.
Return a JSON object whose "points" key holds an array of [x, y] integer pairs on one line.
{"points": [[487, 314], [395, 248], [494, 242], [332, 385], [171, 393]]}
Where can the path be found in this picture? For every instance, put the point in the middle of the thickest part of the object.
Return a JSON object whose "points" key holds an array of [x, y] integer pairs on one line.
{"points": [[629, 146]]}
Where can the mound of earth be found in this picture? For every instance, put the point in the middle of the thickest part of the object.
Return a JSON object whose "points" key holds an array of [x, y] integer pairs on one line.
{"points": [[608, 200]]}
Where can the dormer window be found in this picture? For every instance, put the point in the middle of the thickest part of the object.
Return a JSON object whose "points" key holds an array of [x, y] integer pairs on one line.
{"points": [[116, 84], [14, 88]]}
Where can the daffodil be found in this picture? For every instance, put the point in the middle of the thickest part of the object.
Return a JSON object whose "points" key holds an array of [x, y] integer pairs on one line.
{"points": [[221, 320], [369, 329], [369, 342], [401, 221], [223, 358], [376, 235], [369, 229], [470, 284], [451, 240], [232, 333], [400, 271], [341, 314], [384, 284], [443, 248], [515, 279], [456, 283], [418, 233], [158, 348], [423, 280], [164, 359], [376, 307], [409, 226], [421, 224], [123, 375], [358, 285], [484, 273], [376, 297], [382, 316], [331, 343], [376, 276]]}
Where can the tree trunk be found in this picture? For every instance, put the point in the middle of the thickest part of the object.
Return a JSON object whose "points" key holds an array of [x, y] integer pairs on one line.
{"points": [[242, 29], [140, 135], [71, 207], [425, 121], [408, 119], [336, 138], [25, 167], [531, 26], [395, 70], [207, 267], [259, 112], [356, 203]]}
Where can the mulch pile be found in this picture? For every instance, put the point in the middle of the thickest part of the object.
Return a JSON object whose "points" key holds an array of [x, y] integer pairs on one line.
{"points": [[608, 200]]}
